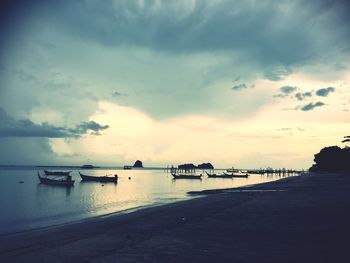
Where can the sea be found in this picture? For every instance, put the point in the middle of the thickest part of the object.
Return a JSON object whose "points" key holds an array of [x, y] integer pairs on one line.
{"points": [[25, 204]]}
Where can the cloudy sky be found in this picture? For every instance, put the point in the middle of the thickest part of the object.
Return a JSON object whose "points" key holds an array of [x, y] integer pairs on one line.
{"points": [[237, 83]]}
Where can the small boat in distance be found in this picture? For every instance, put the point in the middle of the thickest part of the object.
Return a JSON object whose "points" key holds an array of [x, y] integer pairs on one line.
{"points": [[57, 172], [65, 180], [103, 179], [213, 175], [127, 167], [232, 170], [237, 175], [186, 176], [88, 166]]}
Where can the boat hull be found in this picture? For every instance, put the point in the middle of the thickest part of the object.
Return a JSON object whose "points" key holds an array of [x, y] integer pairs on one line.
{"points": [[59, 173], [185, 176], [62, 182], [238, 175], [102, 179], [220, 176], [232, 170]]}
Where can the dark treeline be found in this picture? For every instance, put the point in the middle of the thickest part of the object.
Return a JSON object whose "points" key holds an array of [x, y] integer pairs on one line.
{"points": [[332, 159], [189, 166]]}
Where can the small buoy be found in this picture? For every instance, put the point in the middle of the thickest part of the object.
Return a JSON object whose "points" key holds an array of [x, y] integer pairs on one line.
{"points": [[21, 182], [129, 178]]}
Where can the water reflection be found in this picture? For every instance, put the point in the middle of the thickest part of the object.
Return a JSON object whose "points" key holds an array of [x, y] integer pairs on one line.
{"points": [[37, 205], [46, 189]]}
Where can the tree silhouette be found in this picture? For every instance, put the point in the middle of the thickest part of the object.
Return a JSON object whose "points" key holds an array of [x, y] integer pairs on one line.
{"points": [[333, 159]]}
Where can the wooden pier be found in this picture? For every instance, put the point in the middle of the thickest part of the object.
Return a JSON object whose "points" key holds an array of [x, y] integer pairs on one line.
{"points": [[282, 172]]}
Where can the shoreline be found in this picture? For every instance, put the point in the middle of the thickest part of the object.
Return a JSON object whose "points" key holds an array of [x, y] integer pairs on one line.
{"points": [[90, 217], [245, 224]]}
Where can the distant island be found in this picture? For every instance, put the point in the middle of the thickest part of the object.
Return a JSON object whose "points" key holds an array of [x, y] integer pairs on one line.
{"points": [[189, 166], [138, 164], [332, 159]]}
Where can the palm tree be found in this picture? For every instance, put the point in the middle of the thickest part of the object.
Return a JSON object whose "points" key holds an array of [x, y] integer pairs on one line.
{"points": [[346, 139]]}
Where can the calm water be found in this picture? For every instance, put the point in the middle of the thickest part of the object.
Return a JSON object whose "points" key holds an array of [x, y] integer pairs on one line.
{"points": [[31, 205]]}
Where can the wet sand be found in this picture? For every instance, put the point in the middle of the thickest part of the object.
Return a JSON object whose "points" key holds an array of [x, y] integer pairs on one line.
{"points": [[297, 219]]}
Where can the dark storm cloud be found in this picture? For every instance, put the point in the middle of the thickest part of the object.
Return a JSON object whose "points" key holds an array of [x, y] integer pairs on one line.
{"points": [[239, 87], [312, 106], [276, 34], [119, 94], [86, 126], [9, 127], [302, 96], [276, 74], [116, 94], [285, 91], [26, 150], [325, 92], [24, 76], [15, 15]]}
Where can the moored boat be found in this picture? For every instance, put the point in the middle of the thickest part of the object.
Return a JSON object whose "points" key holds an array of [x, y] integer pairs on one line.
{"points": [[103, 179], [232, 170], [127, 167], [61, 173], [213, 175], [88, 166], [65, 180], [186, 176], [237, 175]]}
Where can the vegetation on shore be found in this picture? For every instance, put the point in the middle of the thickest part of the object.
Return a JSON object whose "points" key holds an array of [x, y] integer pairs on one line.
{"points": [[189, 166], [332, 159]]}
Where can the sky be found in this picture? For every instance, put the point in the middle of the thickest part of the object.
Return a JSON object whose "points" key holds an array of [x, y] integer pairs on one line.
{"points": [[249, 84]]}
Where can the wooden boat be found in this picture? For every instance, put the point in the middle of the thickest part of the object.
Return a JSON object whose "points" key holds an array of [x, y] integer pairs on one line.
{"points": [[103, 179], [186, 176], [57, 172], [238, 175], [88, 166], [219, 175], [232, 170], [65, 180], [127, 167]]}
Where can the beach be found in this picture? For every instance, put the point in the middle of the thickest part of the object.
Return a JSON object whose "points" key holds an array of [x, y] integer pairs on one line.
{"points": [[295, 219]]}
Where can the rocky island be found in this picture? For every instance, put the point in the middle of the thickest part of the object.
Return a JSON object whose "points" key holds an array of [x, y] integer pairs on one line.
{"points": [[138, 164], [191, 166]]}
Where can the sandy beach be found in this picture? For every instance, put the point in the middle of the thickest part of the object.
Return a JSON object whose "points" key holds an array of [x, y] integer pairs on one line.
{"points": [[296, 219]]}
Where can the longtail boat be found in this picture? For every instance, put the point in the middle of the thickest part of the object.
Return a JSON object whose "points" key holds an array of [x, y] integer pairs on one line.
{"points": [[88, 166], [103, 179], [57, 172], [238, 175], [65, 180], [186, 176], [219, 175]]}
